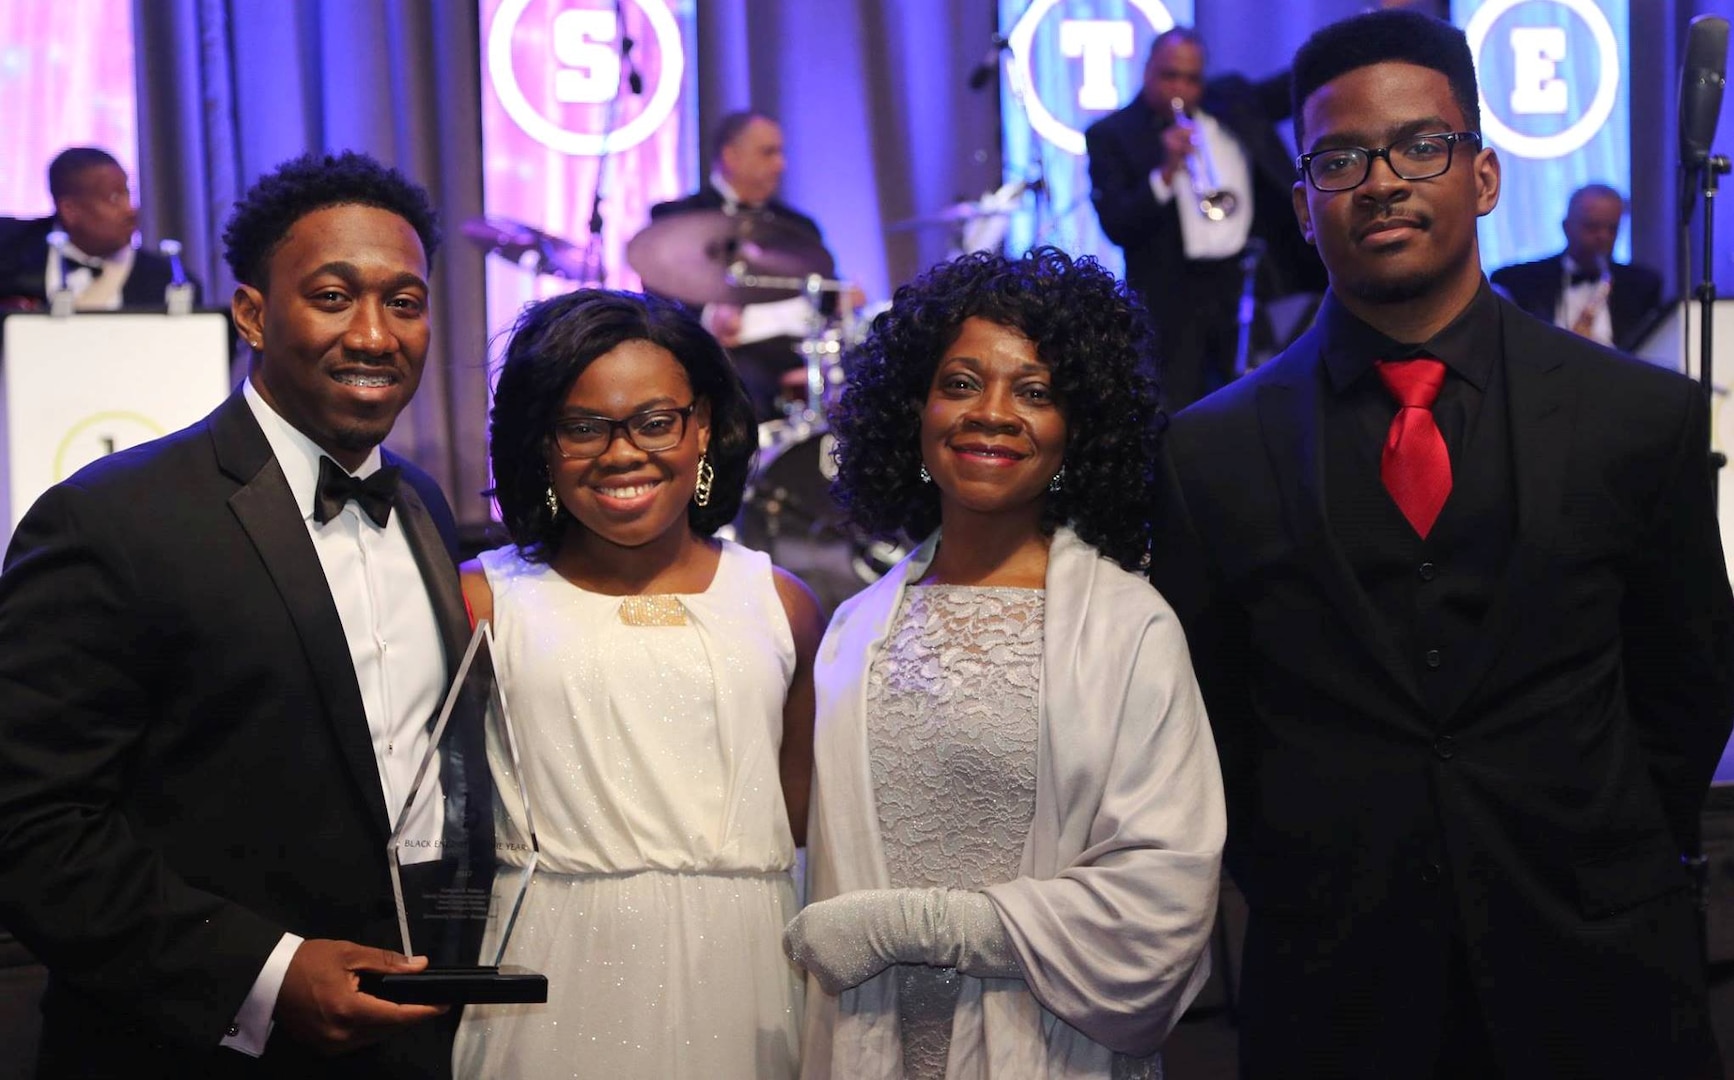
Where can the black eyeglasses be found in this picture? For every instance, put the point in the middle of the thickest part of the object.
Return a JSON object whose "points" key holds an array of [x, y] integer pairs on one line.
{"points": [[1418, 157], [652, 431]]}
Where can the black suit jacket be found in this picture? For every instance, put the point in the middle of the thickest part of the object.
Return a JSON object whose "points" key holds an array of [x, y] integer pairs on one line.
{"points": [[1539, 808], [1126, 146], [186, 770], [1634, 301], [24, 262]]}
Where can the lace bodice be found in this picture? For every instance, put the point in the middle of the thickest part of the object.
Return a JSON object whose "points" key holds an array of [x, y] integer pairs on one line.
{"points": [[952, 705]]}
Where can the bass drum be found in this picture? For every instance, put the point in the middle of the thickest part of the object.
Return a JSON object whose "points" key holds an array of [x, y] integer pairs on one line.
{"points": [[788, 514]]}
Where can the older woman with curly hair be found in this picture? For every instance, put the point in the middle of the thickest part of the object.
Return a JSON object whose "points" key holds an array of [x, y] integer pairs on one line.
{"points": [[1017, 814]]}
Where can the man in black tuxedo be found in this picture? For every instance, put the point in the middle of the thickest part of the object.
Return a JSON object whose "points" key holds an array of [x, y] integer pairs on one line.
{"points": [[747, 165], [1184, 265], [1468, 661], [217, 673], [1582, 288], [93, 206]]}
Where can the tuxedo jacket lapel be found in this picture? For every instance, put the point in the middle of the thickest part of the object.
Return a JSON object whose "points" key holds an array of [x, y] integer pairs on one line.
{"points": [[266, 510], [438, 571], [1288, 410], [1538, 386]]}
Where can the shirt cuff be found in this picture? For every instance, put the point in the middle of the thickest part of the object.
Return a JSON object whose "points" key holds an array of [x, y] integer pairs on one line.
{"points": [[1160, 187], [252, 1024]]}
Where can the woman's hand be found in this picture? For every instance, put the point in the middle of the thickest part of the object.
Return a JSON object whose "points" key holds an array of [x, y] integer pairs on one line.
{"points": [[847, 940]]}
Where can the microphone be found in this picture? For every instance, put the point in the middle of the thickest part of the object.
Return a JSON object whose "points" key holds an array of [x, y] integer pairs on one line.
{"points": [[171, 250], [997, 44], [178, 294], [1701, 82]]}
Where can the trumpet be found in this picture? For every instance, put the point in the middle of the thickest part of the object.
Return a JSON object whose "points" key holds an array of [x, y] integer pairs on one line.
{"points": [[1213, 202]]}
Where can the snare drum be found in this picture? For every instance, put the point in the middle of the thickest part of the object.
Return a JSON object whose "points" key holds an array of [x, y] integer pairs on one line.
{"points": [[789, 515]]}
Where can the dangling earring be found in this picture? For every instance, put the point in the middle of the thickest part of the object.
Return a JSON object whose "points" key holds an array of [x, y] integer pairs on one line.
{"points": [[553, 502], [926, 477], [706, 476], [1059, 480]]}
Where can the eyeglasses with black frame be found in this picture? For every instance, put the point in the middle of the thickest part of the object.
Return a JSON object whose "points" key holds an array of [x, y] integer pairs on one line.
{"points": [[652, 431], [1418, 157]]}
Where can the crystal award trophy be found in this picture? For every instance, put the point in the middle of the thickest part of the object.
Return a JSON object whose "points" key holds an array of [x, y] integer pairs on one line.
{"points": [[462, 851]]}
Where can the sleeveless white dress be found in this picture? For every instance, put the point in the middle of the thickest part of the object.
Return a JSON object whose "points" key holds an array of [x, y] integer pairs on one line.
{"points": [[658, 907]]}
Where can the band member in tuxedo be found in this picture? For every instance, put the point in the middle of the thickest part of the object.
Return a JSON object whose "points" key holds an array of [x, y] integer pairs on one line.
{"points": [[1582, 288], [747, 163], [1456, 598], [218, 655], [93, 207], [1183, 262]]}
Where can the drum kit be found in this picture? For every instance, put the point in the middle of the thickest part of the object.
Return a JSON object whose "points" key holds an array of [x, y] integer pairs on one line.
{"points": [[715, 257]]}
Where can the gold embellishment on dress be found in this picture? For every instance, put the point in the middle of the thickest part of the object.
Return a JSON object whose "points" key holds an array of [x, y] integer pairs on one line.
{"points": [[657, 609]]}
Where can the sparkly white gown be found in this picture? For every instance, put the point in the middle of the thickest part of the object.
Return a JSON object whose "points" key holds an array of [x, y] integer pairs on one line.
{"points": [[658, 907]]}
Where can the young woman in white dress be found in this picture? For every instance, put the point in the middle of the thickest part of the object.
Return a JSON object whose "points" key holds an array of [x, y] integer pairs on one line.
{"points": [[1018, 815], [660, 684]]}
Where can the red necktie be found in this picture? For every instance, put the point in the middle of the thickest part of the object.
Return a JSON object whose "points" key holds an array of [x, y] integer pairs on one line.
{"points": [[1415, 466]]}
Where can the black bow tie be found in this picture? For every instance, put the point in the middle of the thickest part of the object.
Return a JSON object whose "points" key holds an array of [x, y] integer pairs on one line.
{"points": [[336, 487], [95, 268], [1585, 277]]}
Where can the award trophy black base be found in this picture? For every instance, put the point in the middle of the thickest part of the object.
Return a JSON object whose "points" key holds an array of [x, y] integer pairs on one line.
{"points": [[508, 985]]}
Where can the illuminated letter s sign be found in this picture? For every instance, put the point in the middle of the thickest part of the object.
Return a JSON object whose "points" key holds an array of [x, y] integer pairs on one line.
{"points": [[589, 72]]}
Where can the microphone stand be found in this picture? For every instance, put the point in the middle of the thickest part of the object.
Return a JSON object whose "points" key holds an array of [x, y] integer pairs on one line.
{"points": [[1248, 312], [1709, 169], [595, 264]]}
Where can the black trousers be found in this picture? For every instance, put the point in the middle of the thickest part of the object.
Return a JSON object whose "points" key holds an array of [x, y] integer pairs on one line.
{"points": [[1197, 329]]}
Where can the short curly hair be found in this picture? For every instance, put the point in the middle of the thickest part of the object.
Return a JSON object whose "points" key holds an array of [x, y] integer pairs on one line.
{"points": [[1091, 333], [551, 345], [298, 187]]}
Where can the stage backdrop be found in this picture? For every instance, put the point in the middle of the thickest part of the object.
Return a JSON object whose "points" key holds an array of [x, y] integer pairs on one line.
{"points": [[1069, 63], [66, 79], [1555, 104], [560, 114]]}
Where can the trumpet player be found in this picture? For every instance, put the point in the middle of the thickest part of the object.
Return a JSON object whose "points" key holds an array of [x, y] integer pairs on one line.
{"points": [[1582, 289], [1182, 178]]}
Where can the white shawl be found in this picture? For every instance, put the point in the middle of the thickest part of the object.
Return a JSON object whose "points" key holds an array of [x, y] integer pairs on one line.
{"points": [[1115, 898]]}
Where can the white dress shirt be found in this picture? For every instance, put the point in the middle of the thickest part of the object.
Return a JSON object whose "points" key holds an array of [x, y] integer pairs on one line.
{"points": [[93, 292], [1199, 236], [1574, 300], [394, 642]]}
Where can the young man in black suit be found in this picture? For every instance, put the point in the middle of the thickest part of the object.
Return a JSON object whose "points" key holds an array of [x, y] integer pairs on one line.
{"points": [[1582, 288], [93, 206], [1468, 659], [1184, 265], [217, 672]]}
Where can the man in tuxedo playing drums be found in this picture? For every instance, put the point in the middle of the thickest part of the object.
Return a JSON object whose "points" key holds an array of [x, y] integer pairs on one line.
{"points": [[747, 163], [219, 656]]}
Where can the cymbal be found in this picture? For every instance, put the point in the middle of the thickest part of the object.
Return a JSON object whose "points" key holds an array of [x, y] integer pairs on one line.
{"points": [[516, 243], [690, 256]]}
